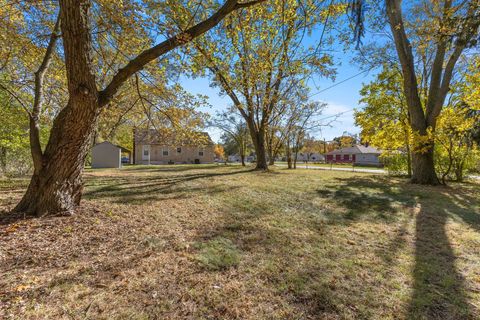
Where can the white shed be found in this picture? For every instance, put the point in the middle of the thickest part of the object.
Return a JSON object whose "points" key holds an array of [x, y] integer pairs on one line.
{"points": [[107, 155]]}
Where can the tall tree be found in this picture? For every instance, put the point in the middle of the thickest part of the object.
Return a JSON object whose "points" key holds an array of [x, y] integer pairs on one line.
{"points": [[56, 184], [449, 28], [260, 59]]}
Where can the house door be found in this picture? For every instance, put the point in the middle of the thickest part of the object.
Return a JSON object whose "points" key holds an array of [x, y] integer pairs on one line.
{"points": [[146, 153]]}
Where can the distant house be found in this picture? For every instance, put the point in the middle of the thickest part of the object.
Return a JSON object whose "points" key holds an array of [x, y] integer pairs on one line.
{"points": [[152, 147], [108, 155], [236, 158], [312, 157], [358, 154]]}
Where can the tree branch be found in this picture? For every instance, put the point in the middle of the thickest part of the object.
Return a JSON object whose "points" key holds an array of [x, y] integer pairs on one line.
{"points": [[160, 49], [35, 146], [16, 97], [405, 55]]}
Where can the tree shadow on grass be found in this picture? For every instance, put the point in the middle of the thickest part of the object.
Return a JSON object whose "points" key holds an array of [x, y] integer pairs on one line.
{"points": [[365, 198], [140, 190], [439, 289]]}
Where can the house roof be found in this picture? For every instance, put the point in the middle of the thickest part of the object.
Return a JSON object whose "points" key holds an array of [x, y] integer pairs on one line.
{"points": [[355, 150], [115, 145], [168, 138]]}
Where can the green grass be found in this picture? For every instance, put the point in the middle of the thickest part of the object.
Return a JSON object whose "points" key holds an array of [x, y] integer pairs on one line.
{"points": [[327, 165], [224, 242], [218, 254]]}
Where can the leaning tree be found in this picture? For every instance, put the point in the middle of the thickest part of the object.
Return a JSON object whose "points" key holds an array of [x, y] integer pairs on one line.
{"points": [[56, 183]]}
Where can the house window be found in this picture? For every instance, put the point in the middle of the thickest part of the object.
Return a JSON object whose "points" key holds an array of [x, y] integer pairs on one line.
{"points": [[145, 152], [200, 153], [179, 150], [165, 152]]}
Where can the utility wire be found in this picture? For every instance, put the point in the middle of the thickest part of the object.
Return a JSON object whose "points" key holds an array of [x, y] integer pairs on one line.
{"points": [[340, 82]]}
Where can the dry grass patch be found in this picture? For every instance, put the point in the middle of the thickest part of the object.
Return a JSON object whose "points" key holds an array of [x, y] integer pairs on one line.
{"points": [[214, 242]]}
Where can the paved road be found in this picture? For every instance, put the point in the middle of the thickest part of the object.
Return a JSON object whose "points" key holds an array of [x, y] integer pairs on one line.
{"points": [[337, 169]]}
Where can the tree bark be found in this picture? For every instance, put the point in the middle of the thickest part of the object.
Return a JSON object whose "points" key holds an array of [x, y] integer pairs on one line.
{"points": [[56, 185], [259, 144], [422, 162], [257, 134], [242, 158], [459, 171], [424, 168]]}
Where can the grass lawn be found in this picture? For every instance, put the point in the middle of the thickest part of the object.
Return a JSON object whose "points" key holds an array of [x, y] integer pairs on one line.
{"points": [[215, 242], [327, 165]]}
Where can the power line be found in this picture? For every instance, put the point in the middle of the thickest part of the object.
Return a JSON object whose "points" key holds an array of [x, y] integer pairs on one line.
{"points": [[334, 85], [337, 114], [340, 82]]}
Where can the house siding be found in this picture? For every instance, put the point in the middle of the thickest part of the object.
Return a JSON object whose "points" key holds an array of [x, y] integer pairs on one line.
{"points": [[368, 159], [188, 154], [359, 154]]}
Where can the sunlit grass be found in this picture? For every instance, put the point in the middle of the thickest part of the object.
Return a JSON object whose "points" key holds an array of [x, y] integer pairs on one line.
{"points": [[231, 243]]}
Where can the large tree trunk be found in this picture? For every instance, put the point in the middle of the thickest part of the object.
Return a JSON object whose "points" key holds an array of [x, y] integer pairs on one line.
{"points": [[259, 143], [258, 139], [57, 187], [56, 184], [242, 158], [459, 171], [424, 168]]}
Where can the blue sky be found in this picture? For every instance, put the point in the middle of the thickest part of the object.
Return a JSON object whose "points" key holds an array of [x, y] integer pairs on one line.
{"points": [[340, 98]]}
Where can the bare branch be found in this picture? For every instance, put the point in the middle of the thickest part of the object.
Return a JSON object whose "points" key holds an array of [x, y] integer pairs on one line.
{"points": [[17, 98]]}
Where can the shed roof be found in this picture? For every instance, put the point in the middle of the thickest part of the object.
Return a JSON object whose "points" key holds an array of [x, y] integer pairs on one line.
{"points": [[115, 145]]}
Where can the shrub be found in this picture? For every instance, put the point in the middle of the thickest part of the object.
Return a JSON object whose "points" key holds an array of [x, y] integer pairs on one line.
{"points": [[395, 163]]}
